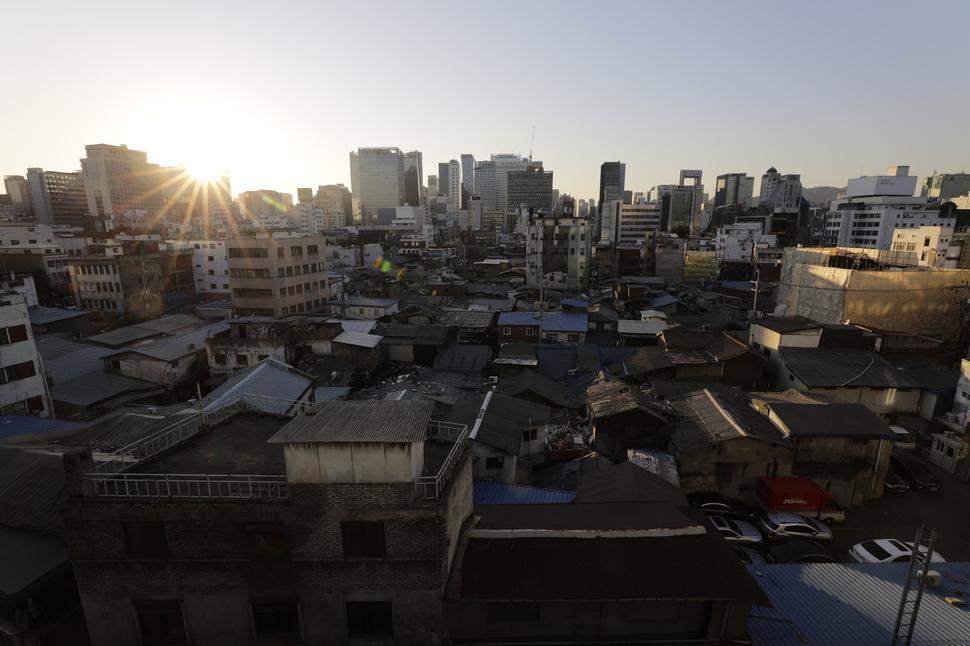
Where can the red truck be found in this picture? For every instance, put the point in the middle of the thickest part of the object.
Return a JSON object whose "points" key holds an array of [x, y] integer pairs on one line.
{"points": [[801, 496]]}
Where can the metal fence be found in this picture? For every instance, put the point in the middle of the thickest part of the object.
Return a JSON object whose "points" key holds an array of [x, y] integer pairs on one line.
{"points": [[179, 485], [147, 447], [430, 487]]}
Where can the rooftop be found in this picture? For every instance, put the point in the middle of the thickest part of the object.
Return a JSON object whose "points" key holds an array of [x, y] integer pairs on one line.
{"points": [[841, 367], [785, 324], [359, 421]]}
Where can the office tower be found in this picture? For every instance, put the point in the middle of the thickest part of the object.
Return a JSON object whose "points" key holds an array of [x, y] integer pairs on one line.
{"points": [[376, 181], [19, 191], [413, 178], [676, 206], [942, 185], [468, 173], [733, 189], [612, 181], [692, 179], [530, 188], [304, 195], [434, 188], [768, 182], [265, 208], [57, 198], [336, 203], [491, 178], [118, 179], [454, 186]]}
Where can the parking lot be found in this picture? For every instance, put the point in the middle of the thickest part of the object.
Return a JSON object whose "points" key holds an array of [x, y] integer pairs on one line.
{"points": [[900, 515]]}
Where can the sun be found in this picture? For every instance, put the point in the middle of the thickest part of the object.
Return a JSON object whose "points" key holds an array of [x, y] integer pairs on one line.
{"points": [[205, 169]]}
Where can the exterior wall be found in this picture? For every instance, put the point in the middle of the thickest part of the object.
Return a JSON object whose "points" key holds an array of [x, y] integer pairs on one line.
{"points": [[157, 371], [595, 620], [480, 468], [884, 402], [768, 341], [518, 333], [22, 388], [358, 462], [275, 275], [853, 470], [210, 267], [733, 468]]}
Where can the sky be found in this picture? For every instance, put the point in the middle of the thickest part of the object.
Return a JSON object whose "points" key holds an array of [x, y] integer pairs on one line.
{"points": [[280, 93]]}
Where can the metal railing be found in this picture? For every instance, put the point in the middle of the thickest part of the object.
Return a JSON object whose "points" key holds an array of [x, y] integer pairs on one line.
{"points": [[430, 487], [147, 447], [179, 485]]}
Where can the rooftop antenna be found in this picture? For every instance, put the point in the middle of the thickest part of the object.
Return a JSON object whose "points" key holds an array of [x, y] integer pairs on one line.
{"points": [[531, 143]]}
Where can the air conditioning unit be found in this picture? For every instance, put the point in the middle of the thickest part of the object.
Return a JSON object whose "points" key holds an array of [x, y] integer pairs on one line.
{"points": [[571, 372], [493, 380], [932, 579]]}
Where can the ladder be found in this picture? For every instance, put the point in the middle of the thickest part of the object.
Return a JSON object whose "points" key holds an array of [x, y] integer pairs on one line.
{"points": [[909, 604]]}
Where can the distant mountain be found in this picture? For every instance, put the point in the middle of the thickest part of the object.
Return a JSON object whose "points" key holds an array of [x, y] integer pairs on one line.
{"points": [[821, 194]]}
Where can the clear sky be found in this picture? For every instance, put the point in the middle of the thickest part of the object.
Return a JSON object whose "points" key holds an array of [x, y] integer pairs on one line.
{"points": [[280, 92]]}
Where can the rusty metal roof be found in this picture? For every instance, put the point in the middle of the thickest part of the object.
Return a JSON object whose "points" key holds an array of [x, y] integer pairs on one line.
{"points": [[359, 421]]}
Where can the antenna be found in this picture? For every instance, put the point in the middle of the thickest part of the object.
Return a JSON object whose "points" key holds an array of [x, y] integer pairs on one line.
{"points": [[531, 143]]}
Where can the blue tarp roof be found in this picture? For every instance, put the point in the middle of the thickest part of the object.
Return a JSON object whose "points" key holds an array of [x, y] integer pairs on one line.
{"points": [[665, 299], [573, 302], [486, 492], [14, 425], [564, 322], [518, 318]]}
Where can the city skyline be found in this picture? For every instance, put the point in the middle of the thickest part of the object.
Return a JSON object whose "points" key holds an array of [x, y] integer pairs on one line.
{"points": [[207, 87]]}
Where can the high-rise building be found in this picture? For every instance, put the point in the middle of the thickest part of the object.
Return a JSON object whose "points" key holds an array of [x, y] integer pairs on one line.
{"points": [[57, 198], [118, 179], [304, 195], [676, 206], [733, 189], [376, 181], [612, 181], [531, 187], [491, 178], [768, 182], [336, 203], [942, 185], [559, 248], [266, 209], [692, 179], [413, 179], [19, 191], [468, 173], [454, 185]]}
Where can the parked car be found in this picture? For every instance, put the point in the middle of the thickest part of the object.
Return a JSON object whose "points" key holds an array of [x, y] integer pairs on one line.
{"points": [[799, 550], [715, 503], [904, 440], [786, 524], [736, 531], [908, 466], [749, 555], [800, 496], [895, 483], [889, 550]]}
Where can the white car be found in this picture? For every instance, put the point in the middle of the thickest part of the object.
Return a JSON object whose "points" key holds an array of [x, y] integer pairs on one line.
{"points": [[889, 550], [736, 531], [785, 524]]}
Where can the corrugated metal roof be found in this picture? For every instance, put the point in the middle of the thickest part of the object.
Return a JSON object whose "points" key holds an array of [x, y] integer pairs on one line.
{"points": [[32, 485], [358, 339], [486, 492], [853, 604], [710, 418], [359, 421], [529, 382], [27, 558], [518, 318], [361, 327], [164, 325], [40, 315], [467, 319], [573, 302], [838, 367], [330, 393], [171, 348], [641, 327], [269, 378], [627, 482], [360, 301], [783, 324], [464, 358], [64, 359], [498, 420], [832, 420], [564, 322], [15, 425], [95, 387]]}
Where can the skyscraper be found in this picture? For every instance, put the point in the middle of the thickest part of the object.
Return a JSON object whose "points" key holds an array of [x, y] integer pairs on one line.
{"points": [[376, 181], [57, 198], [19, 192], [942, 185], [612, 181], [413, 178], [117, 179], [733, 189], [692, 180], [468, 172], [531, 187]]}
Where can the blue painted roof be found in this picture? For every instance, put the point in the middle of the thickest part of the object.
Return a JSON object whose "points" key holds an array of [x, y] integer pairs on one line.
{"points": [[852, 603], [564, 322], [573, 302], [518, 318], [14, 425], [665, 299], [330, 393], [737, 284], [486, 492]]}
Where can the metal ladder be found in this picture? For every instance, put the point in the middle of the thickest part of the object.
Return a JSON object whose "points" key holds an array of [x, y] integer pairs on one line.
{"points": [[909, 604]]}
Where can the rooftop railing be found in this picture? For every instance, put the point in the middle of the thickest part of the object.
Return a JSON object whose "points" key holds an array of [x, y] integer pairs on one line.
{"points": [[177, 485], [430, 487]]}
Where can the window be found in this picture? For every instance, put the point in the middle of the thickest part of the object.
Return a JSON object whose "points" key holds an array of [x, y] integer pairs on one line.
{"points": [[17, 372], [531, 331], [13, 334], [530, 434], [161, 623], [311, 249], [494, 464], [369, 618], [506, 331], [220, 359], [296, 251], [145, 538], [280, 252], [242, 360], [363, 538], [276, 622]]}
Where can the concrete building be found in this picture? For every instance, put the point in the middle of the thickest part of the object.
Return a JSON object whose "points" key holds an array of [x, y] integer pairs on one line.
{"points": [[945, 186], [58, 199], [264, 209], [612, 182], [414, 179], [118, 179], [559, 245], [23, 388], [930, 243], [336, 203], [210, 266], [531, 188], [736, 243], [468, 173], [274, 273], [19, 191], [349, 538], [875, 207], [376, 181], [491, 178], [733, 189]]}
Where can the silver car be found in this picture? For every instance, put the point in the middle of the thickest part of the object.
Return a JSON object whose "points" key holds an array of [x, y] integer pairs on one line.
{"points": [[781, 524], [889, 550], [736, 531]]}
